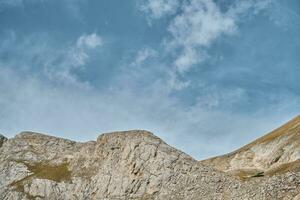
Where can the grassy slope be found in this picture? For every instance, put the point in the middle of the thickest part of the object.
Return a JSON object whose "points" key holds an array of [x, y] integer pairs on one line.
{"points": [[291, 129]]}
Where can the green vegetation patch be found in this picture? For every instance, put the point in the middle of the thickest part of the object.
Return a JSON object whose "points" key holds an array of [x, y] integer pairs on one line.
{"points": [[259, 174], [56, 173], [47, 171], [246, 174]]}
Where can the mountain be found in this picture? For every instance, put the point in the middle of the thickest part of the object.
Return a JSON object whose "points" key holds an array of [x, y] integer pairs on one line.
{"points": [[128, 165], [275, 153]]}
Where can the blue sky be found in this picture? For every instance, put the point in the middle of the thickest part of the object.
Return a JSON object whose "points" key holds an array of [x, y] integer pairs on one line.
{"points": [[207, 76]]}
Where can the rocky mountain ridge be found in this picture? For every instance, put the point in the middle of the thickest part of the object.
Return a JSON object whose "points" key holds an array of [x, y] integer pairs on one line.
{"points": [[126, 165], [274, 153]]}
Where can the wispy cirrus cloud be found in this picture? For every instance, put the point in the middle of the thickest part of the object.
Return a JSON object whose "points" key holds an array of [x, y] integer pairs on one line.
{"points": [[89, 41], [198, 25], [38, 52], [75, 56], [143, 55], [159, 8]]}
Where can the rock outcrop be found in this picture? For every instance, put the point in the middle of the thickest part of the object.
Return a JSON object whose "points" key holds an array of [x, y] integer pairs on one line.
{"points": [[274, 153], [123, 165]]}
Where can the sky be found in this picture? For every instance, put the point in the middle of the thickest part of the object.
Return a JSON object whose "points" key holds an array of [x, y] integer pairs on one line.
{"points": [[206, 76]]}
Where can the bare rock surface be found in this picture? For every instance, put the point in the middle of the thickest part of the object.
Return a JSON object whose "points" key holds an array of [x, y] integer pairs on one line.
{"points": [[274, 153], [120, 166]]}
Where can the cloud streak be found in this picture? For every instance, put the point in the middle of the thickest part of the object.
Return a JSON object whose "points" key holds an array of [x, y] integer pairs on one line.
{"points": [[198, 25], [160, 8], [50, 61]]}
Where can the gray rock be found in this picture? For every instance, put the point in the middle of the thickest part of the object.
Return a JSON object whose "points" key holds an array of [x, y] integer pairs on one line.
{"points": [[274, 153], [119, 166]]}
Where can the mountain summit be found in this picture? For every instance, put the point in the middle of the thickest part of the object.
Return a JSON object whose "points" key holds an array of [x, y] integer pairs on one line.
{"points": [[138, 165]]}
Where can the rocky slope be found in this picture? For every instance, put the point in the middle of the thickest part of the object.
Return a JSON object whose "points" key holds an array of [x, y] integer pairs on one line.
{"points": [[123, 165], [274, 153]]}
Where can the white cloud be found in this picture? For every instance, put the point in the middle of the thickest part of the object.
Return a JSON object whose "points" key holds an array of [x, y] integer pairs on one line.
{"points": [[55, 63], [77, 55], [214, 98], [73, 57], [200, 24], [174, 83], [89, 41], [187, 58], [143, 55], [248, 8], [160, 8]]}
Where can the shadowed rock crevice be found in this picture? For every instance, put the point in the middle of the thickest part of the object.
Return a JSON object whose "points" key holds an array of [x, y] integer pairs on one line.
{"points": [[2, 140]]}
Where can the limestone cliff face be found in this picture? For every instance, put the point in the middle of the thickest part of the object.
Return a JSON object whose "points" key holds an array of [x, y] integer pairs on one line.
{"points": [[122, 165], [274, 153]]}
